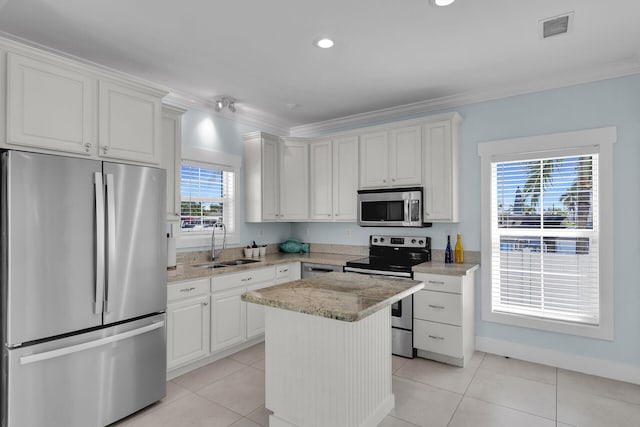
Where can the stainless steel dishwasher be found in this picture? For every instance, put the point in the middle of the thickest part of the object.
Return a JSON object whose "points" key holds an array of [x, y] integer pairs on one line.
{"points": [[310, 269]]}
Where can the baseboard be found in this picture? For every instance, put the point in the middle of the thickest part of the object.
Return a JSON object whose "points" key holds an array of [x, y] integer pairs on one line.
{"points": [[573, 362]]}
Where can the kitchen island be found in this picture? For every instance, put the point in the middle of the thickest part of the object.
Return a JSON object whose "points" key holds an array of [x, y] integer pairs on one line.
{"points": [[328, 348]]}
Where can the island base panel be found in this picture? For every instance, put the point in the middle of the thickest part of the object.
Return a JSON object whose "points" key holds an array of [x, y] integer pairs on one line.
{"points": [[322, 372]]}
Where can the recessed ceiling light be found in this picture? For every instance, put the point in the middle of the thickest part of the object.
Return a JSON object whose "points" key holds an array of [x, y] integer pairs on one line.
{"points": [[442, 2], [324, 43]]}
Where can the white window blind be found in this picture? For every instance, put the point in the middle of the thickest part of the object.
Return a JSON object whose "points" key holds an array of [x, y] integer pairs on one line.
{"points": [[207, 197], [545, 237]]}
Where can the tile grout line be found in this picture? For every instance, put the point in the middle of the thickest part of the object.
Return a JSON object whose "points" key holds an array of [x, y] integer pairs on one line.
{"points": [[466, 389]]}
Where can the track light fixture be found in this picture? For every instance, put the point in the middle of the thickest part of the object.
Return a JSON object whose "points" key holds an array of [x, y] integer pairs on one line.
{"points": [[225, 101]]}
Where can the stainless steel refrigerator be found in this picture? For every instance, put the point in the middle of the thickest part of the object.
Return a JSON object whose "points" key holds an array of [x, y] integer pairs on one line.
{"points": [[83, 276]]}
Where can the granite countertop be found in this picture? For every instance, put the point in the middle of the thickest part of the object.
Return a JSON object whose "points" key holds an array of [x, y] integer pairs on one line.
{"points": [[195, 271], [342, 296], [435, 267]]}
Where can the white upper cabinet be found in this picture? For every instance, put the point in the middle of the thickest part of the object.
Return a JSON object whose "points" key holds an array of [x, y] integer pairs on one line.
{"points": [[374, 160], [171, 158], [405, 160], [129, 123], [440, 170], [294, 180], [261, 177], [321, 180], [345, 178], [391, 159], [50, 106]]}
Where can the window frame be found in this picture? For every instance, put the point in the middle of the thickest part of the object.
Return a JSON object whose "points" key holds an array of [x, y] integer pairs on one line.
{"points": [[601, 141], [214, 160]]}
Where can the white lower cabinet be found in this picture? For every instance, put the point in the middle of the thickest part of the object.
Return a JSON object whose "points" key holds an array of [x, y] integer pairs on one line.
{"points": [[228, 319], [188, 314], [443, 318], [233, 321]]}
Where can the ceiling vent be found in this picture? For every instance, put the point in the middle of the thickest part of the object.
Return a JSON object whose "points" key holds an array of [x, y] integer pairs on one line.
{"points": [[555, 26]]}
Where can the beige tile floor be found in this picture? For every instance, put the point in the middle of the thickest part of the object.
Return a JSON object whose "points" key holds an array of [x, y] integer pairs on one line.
{"points": [[491, 391]]}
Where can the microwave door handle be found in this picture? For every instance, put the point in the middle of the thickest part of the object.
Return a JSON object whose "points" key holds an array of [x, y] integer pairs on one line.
{"points": [[407, 212]]}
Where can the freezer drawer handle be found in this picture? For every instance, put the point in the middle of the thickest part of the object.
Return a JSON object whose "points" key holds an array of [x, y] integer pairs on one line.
{"points": [[435, 337], [187, 289], [435, 282], [439, 307], [24, 360]]}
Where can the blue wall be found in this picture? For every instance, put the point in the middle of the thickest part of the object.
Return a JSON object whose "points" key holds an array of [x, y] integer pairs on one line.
{"points": [[614, 102], [212, 132]]}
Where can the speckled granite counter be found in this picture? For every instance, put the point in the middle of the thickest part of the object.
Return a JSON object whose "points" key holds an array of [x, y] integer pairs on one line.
{"points": [[343, 296], [194, 271], [435, 267]]}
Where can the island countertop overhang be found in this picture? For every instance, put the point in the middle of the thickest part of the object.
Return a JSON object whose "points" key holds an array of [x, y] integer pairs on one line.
{"points": [[347, 297]]}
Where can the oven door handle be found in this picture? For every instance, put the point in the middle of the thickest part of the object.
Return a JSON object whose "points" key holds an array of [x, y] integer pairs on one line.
{"points": [[377, 272]]}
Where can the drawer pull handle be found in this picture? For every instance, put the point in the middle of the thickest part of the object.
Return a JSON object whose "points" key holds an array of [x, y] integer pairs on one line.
{"points": [[205, 304], [434, 282], [284, 270], [187, 289], [435, 337], [246, 280], [439, 307]]}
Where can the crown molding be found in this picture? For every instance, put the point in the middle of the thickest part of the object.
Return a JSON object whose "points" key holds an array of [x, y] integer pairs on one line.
{"points": [[613, 70], [247, 116]]}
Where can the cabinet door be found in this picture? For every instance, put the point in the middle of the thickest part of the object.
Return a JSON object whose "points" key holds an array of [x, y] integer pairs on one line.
{"points": [[405, 156], [171, 156], [374, 160], [294, 181], [187, 330], [228, 319], [255, 314], [345, 178], [129, 123], [49, 106], [438, 186], [270, 180], [320, 174]]}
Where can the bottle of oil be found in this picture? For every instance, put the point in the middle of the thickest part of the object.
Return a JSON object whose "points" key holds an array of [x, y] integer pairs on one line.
{"points": [[458, 252]]}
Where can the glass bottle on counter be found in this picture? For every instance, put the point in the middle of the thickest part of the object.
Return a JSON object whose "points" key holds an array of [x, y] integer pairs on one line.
{"points": [[448, 253], [458, 252]]}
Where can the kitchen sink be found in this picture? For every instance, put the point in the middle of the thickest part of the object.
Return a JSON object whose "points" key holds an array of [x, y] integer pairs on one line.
{"points": [[239, 262], [229, 263], [214, 265]]}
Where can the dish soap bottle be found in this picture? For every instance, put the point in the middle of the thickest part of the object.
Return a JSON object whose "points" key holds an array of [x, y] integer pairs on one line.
{"points": [[458, 252], [448, 253]]}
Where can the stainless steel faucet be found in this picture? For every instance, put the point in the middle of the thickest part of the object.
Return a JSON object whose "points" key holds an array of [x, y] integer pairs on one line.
{"points": [[220, 226]]}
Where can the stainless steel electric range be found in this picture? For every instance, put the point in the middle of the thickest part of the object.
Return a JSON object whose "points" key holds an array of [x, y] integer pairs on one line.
{"points": [[395, 256]]}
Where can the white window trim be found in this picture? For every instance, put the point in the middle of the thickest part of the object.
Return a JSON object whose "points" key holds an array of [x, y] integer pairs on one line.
{"points": [[220, 160], [603, 139]]}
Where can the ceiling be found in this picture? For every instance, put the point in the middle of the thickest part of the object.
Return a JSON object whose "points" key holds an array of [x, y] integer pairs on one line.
{"points": [[387, 53]]}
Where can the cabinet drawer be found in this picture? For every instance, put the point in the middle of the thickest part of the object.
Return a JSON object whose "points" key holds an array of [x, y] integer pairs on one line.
{"points": [[283, 271], [244, 278], [438, 338], [438, 306], [440, 282], [190, 289]]}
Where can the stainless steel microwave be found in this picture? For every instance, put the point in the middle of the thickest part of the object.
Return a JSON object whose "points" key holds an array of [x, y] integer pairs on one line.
{"points": [[390, 207]]}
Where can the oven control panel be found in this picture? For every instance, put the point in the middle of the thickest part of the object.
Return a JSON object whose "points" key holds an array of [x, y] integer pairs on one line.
{"points": [[400, 241]]}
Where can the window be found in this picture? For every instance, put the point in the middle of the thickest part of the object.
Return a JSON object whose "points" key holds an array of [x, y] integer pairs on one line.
{"points": [[207, 197], [547, 234]]}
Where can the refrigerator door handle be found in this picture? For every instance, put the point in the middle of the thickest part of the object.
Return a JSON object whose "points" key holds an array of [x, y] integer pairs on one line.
{"points": [[111, 239], [99, 194], [25, 360]]}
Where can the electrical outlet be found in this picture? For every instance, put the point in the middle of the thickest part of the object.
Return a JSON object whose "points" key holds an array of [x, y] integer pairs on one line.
{"points": [[348, 232], [260, 232], [306, 232]]}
